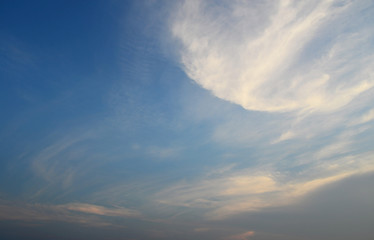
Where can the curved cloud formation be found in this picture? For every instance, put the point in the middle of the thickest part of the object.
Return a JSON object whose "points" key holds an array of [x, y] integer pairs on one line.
{"points": [[277, 56]]}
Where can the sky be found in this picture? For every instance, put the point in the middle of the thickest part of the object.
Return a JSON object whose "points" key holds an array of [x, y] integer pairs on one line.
{"points": [[155, 119]]}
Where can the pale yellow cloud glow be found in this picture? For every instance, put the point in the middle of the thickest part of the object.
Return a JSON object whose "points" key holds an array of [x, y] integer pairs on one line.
{"points": [[99, 210], [251, 190], [249, 185]]}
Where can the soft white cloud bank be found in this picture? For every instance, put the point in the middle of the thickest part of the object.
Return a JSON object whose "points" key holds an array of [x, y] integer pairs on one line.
{"points": [[276, 55]]}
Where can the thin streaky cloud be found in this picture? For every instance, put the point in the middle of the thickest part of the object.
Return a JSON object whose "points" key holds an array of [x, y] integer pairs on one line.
{"points": [[99, 210], [245, 191], [79, 213]]}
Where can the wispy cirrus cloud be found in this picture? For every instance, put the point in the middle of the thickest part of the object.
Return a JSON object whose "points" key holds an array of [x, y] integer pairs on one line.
{"points": [[276, 56], [99, 210], [81, 213]]}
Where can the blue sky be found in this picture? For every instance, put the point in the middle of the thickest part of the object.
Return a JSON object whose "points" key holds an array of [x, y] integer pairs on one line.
{"points": [[186, 120]]}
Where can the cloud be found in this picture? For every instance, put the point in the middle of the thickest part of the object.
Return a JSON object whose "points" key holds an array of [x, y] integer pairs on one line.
{"points": [[346, 207], [61, 163], [45, 163], [82, 213], [239, 185], [236, 191], [282, 56], [365, 118], [243, 236], [285, 136], [99, 210]]}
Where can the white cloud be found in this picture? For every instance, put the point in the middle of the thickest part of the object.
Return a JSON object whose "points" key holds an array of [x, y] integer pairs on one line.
{"points": [[271, 56]]}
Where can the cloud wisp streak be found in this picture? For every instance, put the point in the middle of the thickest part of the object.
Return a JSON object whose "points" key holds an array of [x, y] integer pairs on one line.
{"points": [[81, 213]]}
